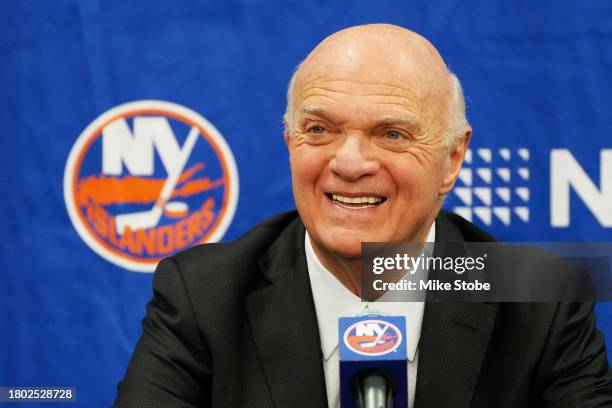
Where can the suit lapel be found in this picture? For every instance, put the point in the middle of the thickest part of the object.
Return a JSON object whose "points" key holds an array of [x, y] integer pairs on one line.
{"points": [[284, 326], [454, 341]]}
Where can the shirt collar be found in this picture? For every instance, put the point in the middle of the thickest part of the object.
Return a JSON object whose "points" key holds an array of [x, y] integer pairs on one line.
{"points": [[333, 300]]}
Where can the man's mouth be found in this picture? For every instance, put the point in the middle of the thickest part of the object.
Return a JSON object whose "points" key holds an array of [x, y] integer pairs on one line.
{"points": [[356, 201]]}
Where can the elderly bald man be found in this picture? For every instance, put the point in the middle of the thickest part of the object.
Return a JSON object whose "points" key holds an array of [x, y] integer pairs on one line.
{"points": [[376, 133]]}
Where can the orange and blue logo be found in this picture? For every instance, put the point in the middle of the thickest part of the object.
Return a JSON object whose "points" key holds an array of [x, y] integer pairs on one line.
{"points": [[148, 179], [372, 337]]}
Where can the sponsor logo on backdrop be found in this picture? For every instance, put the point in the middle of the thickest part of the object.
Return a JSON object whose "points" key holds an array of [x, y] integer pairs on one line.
{"points": [[567, 174], [372, 337], [147, 179], [494, 184], [494, 187]]}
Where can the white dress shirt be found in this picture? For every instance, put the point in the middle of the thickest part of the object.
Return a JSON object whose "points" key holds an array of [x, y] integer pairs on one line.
{"points": [[333, 300]]}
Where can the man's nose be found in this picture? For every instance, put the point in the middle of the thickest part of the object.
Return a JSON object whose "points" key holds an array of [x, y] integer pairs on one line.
{"points": [[354, 158]]}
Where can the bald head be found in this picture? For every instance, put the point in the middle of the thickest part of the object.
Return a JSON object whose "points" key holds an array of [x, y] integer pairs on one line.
{"points": [[383, 53], [377, 50]]}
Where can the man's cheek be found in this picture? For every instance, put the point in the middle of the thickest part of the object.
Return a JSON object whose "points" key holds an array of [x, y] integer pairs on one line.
{"points": [[309, 161], [297, 140]]}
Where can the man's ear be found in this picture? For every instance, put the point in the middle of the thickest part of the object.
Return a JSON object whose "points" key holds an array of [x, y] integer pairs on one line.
{"points": [[286, 134], [456, 154]]}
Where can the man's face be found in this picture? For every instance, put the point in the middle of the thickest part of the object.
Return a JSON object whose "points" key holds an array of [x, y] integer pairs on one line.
{"points": [[367, 159]]}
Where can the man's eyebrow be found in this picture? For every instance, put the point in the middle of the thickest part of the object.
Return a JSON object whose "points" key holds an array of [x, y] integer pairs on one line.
{"points": [[313, 109], [316, 110], [398, 119], [403, 119]]}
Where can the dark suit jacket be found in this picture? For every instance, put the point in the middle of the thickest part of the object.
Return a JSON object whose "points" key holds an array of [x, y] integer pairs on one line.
{"points": [[234, 325]]}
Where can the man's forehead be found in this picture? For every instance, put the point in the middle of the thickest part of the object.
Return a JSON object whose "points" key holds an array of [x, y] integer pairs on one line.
{"points": [[379, 98], [383, 115], [368, 67], [362, 80]]}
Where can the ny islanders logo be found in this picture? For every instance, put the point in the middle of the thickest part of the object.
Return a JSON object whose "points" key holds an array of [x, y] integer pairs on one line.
{"points": [[147, 179], [372, 337]]}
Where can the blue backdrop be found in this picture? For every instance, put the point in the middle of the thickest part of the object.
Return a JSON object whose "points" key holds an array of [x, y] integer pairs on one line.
{"points": [[537, 78]]}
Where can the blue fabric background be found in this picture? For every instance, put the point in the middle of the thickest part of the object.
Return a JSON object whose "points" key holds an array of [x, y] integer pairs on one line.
{"points": [[536, 75]]}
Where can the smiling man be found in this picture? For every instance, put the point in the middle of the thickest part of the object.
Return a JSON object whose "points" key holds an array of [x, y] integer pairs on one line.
{"points": [[376, 133]]}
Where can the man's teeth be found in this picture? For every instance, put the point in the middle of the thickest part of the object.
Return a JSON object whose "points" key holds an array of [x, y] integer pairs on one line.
{"points": [[357, 200]]}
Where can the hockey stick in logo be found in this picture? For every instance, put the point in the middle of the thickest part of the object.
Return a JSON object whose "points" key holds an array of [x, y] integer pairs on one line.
{"points": [[378, 339], [150, 218]]}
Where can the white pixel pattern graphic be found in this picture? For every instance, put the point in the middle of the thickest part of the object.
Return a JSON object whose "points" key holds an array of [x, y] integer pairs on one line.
{"points": [[493, 186]]}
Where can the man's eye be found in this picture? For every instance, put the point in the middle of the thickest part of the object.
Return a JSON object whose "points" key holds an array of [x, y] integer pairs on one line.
{"points": [[317, 129], [393, 135]]}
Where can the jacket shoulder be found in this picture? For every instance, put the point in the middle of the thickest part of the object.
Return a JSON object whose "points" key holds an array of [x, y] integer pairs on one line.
{"points": [[233, 257], [468, 231]]}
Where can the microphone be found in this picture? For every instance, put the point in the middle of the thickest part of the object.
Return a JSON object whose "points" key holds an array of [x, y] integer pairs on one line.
{"points": [[373, 362], [373, 388]]}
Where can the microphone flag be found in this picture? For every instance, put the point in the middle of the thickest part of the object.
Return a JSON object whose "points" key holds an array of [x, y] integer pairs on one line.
{"points": [[373, 343]]}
